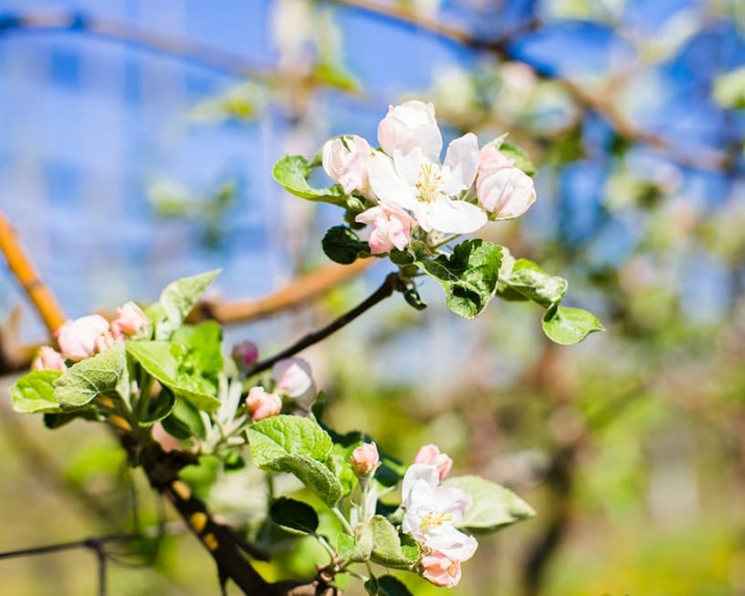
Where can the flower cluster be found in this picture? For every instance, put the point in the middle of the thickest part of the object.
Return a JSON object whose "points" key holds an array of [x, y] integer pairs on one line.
{"points": [[82, 338], [432, 512], [406, 187]]}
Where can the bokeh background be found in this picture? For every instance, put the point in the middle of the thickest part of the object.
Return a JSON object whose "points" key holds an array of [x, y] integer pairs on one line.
{"points": [[136, 145]]}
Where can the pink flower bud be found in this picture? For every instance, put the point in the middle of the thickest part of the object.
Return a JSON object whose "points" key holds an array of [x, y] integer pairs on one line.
{"points": [[244, 354], [440, 569], [261, 404], [77, 339], [365, 459], [391, 228], [129, 320], [293, 378], [503, 190], [49, 359], [105, 341], [345, 161], [430, 455]]}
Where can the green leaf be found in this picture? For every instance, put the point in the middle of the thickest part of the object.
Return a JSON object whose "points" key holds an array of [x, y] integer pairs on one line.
{"points": [[343, 246], [297, 446], [294, 516], [158, 408], [169, 363], [177, 300], [413, 299], [34, 392], [468, 276], [184, 422], [292, 172], [521, 159], [101, 374], [567, 326], [335, 76], [494, 506], [205, 348], [729, 89], [386, 585], [52, 420], [387, 547], [531, 281]]}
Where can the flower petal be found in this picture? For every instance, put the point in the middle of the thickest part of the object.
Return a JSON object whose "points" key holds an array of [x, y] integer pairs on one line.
{"points": [[386, 183], [462, 159], [452, 217]]}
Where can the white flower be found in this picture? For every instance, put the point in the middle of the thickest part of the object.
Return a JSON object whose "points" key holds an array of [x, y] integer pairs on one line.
{"points": [[391, 228], [409, 125], [432, 512], [77, 339], [417, 182]]}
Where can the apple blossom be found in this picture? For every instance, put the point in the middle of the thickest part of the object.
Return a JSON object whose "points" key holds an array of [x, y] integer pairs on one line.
{"points": [[293, 378], [262, 404], [432, 456], [345, 160], [129, 320], [77, 338], [48, 359], [391, 228], [415, 181], [440, 570], [432, 510], [365, 459], [105, 341], [409, 125], [503, 190]]}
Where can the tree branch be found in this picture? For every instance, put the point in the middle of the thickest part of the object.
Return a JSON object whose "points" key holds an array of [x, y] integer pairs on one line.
{"points": [[392, 283]]}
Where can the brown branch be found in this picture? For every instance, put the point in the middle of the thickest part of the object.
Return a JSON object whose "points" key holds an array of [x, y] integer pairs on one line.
{"points": [[301, 291], [29, 280], [392, 283]]}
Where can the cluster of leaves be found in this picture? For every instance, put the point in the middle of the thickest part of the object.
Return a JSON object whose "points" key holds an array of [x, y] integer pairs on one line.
{"points": [[471, 272]]}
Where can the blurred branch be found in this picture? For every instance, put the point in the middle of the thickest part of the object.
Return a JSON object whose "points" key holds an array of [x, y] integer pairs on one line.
{"points": [[600, 101], [299, 292], [20, 266]]}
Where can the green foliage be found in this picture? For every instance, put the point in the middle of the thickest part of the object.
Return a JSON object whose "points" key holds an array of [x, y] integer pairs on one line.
{"points": [[386, 585], [297, 446], [102, 374], [521, 159], [294, 516], [388, 548], [343, 246], [292, 172], [568, 326], [468, 276], [176, 301], [494, 507], [34, 393]]}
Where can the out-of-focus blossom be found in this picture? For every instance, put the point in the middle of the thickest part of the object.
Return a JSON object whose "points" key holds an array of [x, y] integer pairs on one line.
{"points": [[48, 359], [167, 441], [129, 320], [345, 160], [245, 354], [503, 190], [105, 341], [365, 459], [432, 510], [262, 404], [391, 228], [294, 379], [432, 456], [77, 338], [440, 570]]}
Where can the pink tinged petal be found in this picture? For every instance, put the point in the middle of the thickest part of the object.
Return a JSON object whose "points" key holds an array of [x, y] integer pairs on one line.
{"points": [[452, 217], [244, 354], [440, 570], [105, 341], [345, 161], [49, 359], [411, 124], [462, 159], [386, 183], [419, 473], [451, 542], [492, 158], [506, 193], [391, 228], [365, 459], [77, 339], [129, 320], [432, 456], [294, 379], [261, 404]]}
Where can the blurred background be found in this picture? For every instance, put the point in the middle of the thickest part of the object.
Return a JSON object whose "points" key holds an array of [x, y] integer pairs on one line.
{"points": [[136, 146]]}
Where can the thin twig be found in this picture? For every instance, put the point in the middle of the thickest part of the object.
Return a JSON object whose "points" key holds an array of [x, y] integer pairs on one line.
{"points": [[90, 543], [392, 283]]}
